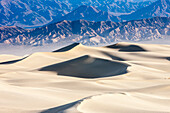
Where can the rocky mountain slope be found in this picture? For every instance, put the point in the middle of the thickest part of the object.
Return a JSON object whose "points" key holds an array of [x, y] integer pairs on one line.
{"points": [[88, 32]]}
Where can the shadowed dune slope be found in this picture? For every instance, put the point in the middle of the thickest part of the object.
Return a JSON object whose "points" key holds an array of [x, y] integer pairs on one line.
{"points": [[63, 108], [13, 61], [126, 47], [168, 58], [67, 48], [88, 67]]}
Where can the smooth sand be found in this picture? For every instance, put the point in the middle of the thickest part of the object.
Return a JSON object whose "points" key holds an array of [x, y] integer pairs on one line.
{"points": [[121, 78]]}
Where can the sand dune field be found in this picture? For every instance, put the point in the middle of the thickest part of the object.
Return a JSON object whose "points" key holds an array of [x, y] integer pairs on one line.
{"points": [[119, 78]]}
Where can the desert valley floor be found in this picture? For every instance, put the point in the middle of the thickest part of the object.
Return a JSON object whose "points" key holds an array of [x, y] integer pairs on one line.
{"points": [[120, 78]]}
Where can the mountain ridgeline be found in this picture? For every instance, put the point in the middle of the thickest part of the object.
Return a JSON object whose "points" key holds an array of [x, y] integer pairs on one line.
{"points": [[88, 32]]}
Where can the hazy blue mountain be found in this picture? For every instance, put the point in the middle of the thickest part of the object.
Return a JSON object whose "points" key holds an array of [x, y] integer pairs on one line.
{"points": [[89, 13], [159, 8], [30, 13], [111, 6], [33, 13], [88, 32]]}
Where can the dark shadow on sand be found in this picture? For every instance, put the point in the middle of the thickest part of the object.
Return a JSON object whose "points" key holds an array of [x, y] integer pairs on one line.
{"points": [[67, 48], [12, 61], [128, 48], [168, 58], [88, 67], [60, 109]]}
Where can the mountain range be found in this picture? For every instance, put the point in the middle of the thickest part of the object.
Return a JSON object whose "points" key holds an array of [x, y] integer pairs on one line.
{"points": [[36, 13], [89, 22], [88, 32]]}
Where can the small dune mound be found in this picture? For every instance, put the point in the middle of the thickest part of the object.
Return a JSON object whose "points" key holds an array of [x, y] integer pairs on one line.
{"points": [[88, 67], [123, 103], [127, 47], [67, 48]]}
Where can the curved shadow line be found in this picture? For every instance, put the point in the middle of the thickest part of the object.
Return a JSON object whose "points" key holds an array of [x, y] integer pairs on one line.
{"points": [[13, 61]]}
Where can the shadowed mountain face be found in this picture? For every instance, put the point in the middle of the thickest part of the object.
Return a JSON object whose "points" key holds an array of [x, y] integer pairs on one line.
{"points": [[88, 67], [88, 32]]}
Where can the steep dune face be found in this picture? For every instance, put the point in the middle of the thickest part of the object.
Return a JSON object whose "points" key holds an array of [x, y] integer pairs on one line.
{"points": [[121, 78]]}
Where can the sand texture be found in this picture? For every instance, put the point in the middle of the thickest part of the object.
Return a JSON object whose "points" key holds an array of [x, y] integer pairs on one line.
{"points": [[120, 78]]}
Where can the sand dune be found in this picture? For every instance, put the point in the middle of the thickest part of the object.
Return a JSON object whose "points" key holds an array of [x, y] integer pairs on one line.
{"points": [[88, 67], [126, 47], [123, 103], [119, 78]]}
